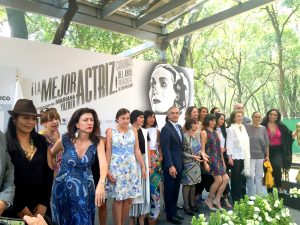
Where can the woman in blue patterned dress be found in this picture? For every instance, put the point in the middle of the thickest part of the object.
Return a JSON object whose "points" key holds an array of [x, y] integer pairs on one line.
{"points": [[216, 166], [73, 193], [122, 150]]}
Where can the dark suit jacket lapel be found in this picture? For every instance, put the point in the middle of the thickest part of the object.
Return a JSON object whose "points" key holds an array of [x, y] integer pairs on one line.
{"points": [[174, 132]]}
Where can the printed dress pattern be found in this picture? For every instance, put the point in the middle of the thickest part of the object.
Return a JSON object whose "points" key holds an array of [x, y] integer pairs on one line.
{"points": [[123, 167], [213, 150], [192, 169], [73, 192]]}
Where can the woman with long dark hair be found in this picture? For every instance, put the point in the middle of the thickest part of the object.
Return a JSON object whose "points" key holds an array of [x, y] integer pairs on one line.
{"points": [[206, 178], [155, 159], [216, 166], [280, 149], [221, 131], [28, 152], [74, 195]]}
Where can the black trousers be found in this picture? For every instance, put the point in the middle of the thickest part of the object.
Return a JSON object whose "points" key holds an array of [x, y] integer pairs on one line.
{"points": [[206, 181], [276, 159], [238, 180], [171, 192]]}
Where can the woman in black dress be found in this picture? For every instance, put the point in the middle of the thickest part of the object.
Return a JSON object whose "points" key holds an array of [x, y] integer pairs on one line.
{"points": [[28, 152]]}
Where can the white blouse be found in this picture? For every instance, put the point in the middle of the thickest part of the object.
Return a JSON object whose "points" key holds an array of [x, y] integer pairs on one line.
{"points": [[153, 145], [233, 144]]}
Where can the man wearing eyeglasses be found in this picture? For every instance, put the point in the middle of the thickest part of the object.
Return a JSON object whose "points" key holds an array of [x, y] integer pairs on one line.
{"points": [[171, 145], [7, 187]]}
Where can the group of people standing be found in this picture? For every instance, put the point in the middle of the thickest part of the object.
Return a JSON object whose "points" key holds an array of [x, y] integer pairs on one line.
{"points": [[78, 171]]}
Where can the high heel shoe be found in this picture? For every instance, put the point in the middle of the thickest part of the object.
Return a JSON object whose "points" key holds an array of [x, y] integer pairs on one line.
{"points": [[209, 204], [217, 204], [194, 208], [227, 204], [188, 211]]}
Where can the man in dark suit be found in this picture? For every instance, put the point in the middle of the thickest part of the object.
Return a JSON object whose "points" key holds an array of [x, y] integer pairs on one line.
{"points": [[171, 145]]}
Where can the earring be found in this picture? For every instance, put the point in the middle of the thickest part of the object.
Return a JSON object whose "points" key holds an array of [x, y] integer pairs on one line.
{"points": [[76, 133]]}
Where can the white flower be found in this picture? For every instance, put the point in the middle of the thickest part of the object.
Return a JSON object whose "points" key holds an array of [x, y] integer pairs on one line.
{"points": [[250, 203], [259, 219], [227, 218], [252, 198], [255, 216], [230, 212], [287, 212], [256, 209], [256, 223], [277, 203], [277, 217], [230, 223], [268, 219]]}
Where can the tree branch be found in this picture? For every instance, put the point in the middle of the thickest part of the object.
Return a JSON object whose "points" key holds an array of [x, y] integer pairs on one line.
{"points": [[65, 23]]}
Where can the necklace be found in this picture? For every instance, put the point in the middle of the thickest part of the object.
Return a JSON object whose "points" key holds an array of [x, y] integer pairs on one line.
{"points": [[29, 152]]}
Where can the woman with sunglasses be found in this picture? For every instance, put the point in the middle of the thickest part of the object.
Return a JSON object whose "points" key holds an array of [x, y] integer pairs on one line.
{"points": [[28, 152], [50, 120]]}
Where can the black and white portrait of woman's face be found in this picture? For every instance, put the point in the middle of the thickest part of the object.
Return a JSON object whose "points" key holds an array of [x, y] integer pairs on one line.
{"points": [[162, 94], [167, 88]]}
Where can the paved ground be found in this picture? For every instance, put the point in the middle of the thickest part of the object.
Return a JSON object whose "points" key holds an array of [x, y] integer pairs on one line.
{"points": [[187, 219]]}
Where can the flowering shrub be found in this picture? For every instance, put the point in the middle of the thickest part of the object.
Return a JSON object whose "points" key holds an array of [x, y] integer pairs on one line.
{"points": [[254, 210], [294, 192]]}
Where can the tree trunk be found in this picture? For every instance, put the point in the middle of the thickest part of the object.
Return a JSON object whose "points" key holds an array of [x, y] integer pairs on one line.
{"points": [[65, 23], [17, 23], [187, 41]]}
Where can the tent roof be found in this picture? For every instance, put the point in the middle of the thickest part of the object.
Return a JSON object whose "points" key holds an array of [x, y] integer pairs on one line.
{"points": [[144, 19]]}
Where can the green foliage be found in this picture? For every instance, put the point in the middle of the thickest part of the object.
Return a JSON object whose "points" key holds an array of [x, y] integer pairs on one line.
{"points": [[254, 210]]}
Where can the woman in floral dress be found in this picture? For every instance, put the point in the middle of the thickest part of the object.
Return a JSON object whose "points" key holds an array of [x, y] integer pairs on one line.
{"points": [[122, 150]]}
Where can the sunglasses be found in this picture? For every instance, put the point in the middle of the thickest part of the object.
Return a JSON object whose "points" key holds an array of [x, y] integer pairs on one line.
{"points": [[44, 110]]}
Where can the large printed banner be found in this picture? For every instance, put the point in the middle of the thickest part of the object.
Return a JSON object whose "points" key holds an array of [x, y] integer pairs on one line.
{"points": [[68, 79]]}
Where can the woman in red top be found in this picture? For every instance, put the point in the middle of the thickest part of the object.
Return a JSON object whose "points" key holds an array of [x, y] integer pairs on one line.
{"points": [[280, 149]]}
